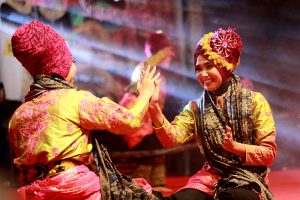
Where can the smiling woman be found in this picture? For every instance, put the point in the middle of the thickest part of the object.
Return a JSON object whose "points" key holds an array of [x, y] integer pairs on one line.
{"points": [[234, 127]]}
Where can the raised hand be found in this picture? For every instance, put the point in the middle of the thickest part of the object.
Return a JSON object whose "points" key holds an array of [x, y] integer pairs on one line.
{"points": [[160, 56], [146, 85]]}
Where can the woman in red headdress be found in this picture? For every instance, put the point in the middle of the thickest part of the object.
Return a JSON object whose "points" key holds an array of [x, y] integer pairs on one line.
{"points": [[234, 127], [50, 132]]}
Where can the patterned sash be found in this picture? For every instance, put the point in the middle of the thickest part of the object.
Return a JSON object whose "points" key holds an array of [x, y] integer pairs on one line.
{"points": [[211, 120], [114, 185]]}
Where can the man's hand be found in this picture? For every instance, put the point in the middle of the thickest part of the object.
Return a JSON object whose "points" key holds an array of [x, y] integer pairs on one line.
{"points": [[146, 85]]}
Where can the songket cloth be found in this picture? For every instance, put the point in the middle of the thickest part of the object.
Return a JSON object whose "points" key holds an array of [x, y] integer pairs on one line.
{"points": [[54, 124], [77, 183]]}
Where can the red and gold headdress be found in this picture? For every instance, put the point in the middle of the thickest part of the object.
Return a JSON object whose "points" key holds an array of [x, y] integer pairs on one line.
{"points": [[222, 48]]}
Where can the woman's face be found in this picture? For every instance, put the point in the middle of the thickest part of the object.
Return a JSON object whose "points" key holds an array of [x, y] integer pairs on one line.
{"points": [[72, 72], [207, 74]]}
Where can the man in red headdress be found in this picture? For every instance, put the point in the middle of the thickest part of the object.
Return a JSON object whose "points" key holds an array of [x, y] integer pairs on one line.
{"points": [[50, 132]]}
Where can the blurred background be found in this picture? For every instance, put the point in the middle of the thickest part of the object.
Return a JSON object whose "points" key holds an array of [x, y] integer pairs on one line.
{"points": [[107, 40]]}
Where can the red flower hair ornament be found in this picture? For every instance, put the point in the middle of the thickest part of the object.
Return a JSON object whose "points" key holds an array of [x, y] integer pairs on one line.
{"points": [[41, 50], [222, 48]]}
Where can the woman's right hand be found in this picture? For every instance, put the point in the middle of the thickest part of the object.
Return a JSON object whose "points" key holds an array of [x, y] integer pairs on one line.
{"points": [[154, 109], [146, 85], [155, 97]]}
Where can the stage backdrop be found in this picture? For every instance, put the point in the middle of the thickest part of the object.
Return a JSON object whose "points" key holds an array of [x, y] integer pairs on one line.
{"points": [[107, 41]]}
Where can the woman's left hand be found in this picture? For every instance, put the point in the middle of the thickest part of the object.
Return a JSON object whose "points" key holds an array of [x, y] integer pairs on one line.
{"points": [[232, 146], [228, 143]]}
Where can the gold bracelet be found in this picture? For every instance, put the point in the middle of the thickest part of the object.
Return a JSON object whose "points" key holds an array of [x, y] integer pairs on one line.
{"points": [[163, 123]]}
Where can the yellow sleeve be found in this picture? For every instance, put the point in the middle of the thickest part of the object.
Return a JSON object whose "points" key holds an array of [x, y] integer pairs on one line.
{"points": [[179, 131], [102, 113], [263, 152]]}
